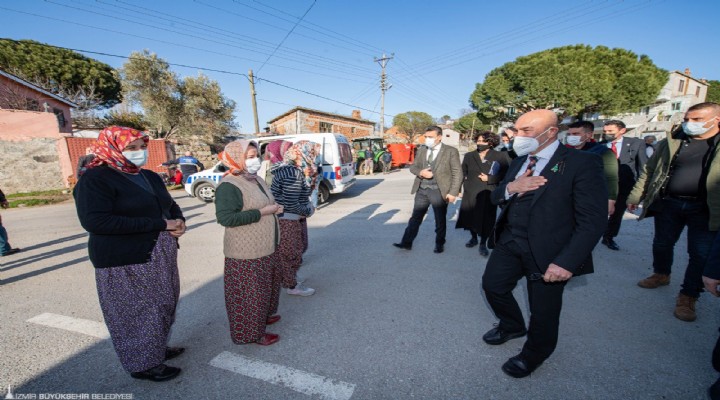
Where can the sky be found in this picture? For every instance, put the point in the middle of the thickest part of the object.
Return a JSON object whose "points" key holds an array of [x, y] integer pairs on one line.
{"points": [[321, 54]]}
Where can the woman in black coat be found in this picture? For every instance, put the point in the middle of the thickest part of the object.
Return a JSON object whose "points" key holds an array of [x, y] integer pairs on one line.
{"points": [[482, 171]]}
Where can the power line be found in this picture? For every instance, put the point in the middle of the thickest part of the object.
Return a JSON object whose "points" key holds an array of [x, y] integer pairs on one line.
{"points": [[204, 38], [288, 35], [106, 29], [130, 58], [320, 96], [203, 69], [227, 33]]}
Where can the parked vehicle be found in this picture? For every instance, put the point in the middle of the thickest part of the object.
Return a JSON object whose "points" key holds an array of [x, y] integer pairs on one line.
{"points": [[402, 154], [337, 169]]}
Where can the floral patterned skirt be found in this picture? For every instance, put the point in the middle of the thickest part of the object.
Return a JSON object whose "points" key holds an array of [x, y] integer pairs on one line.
{"points": [[249, 297], [138, 302]]}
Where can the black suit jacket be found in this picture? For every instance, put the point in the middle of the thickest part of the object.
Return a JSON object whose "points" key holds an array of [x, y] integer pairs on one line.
{"points": [[568, 215], [631, 158]]}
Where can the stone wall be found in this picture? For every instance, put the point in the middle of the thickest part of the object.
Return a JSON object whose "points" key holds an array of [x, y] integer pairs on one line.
{"points": [[30, 165], [202, 152]]}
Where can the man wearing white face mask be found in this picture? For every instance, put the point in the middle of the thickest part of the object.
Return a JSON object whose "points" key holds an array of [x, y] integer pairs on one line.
{"points": [[680, 186], [438, 178], [554, 203], [579, 136]]}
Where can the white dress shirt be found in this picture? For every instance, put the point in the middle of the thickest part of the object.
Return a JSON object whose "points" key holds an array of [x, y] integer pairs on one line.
{"points": [[618, 146], [434, 151], [543, 158]]}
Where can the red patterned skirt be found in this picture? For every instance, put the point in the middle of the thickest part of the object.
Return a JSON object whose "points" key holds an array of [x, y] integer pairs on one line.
{"points": [[290, 251], [248, 297]]}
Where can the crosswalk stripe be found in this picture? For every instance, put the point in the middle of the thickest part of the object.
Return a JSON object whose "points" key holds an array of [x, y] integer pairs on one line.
{"points": [[297, 380], [84, 326]]}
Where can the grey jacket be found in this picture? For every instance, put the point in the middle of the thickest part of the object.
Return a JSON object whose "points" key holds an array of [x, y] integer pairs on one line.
{"points": [[447, 171]]}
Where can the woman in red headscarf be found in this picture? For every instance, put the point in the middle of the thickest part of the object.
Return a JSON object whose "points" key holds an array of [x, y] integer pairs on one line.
{"points": [[134, 226], [247, 210]]}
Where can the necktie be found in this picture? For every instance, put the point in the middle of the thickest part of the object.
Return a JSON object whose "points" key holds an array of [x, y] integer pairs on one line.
{"points": [[614, 148], [531, 164], [430, 157]]}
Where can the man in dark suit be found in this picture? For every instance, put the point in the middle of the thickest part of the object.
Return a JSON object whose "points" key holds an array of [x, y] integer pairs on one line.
{"points": [[554, 211], [631, 156], [438, 178]]}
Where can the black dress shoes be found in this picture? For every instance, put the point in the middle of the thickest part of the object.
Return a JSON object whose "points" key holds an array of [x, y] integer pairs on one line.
{"points": [[172, 352], [439, 248], [518, 367], [471, 243], [610, 244], [403, 246], [497, 336], [483, 250], [157, 374], [11, 251]]}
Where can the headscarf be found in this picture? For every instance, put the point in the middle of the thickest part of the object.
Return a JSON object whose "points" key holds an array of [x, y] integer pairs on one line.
{"points": [[109, 147], [274, 150], [233, 157], [302, 156]]}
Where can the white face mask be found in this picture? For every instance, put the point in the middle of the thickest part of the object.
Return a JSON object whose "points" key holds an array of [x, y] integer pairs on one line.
{"points": [[525, 145], [696, 128], [253, 165], [574, 141], [430, 142], [138, 157]]}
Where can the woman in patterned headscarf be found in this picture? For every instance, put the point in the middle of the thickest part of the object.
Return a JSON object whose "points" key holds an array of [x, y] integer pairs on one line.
{"points": [[134, 226], [292, 190], [245, 207]]}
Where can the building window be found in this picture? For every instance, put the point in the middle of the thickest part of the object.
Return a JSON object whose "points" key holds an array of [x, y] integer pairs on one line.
{"points": [[645, 110], [325, 127], [511, 111], [60, 115], [681, 86], [697, 91], [32, 104], [352, 130], [676, 106]]}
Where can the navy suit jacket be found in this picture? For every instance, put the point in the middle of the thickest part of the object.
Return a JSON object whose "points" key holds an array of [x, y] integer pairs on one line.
{"points": [[568, 214]]}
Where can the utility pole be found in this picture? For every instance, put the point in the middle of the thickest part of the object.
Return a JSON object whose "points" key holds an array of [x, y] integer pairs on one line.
{"points": [[254, 101], [384, 87]]}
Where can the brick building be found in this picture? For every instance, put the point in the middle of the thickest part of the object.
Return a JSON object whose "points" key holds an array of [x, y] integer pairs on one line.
{"points": [[306, 120], [18, 94]]}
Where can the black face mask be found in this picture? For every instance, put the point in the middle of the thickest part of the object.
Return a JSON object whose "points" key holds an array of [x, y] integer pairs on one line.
{"points": [[608, 138], [483, 147]]}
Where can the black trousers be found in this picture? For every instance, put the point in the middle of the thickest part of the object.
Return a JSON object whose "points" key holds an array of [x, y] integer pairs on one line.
{"points": [[423, 199], [614, 221], [509, 262]]}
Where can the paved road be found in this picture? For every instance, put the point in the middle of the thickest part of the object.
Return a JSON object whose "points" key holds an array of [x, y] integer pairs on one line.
{"points": [[384, 324]]}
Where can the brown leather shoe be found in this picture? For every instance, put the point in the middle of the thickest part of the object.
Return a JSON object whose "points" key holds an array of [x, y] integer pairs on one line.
{"points": [[655, 281], [685, 308]]}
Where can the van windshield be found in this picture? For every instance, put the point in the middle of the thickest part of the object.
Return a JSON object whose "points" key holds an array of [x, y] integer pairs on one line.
{"points": [[345, 153]]}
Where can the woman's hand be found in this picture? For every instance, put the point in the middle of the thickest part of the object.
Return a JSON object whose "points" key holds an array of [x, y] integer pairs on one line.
{"points": [[179, 229], [483, 177], [271, 209]]}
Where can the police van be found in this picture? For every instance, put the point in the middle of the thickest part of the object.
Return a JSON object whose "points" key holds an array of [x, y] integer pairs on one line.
{"points": [[337, 166]]}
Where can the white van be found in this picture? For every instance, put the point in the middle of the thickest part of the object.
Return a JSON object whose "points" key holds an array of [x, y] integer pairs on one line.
{"points": [[337, 166]]}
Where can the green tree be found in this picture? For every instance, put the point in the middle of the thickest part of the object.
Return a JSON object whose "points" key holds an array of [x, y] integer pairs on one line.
{"points": [[713, 92], [469, 124], [85, 81], [130, 119], [174, 107], [571, 79], [413, 123]]}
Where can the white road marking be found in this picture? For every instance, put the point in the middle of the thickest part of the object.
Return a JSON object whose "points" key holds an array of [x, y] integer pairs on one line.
{"points": [[84, 326], [299, 381]]}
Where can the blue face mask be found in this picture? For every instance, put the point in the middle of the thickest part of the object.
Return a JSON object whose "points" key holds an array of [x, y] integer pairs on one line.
{"points": [[139, 157]]}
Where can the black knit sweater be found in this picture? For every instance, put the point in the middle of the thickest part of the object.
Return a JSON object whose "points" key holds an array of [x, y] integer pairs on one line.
{"points": [[124, 220]]}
